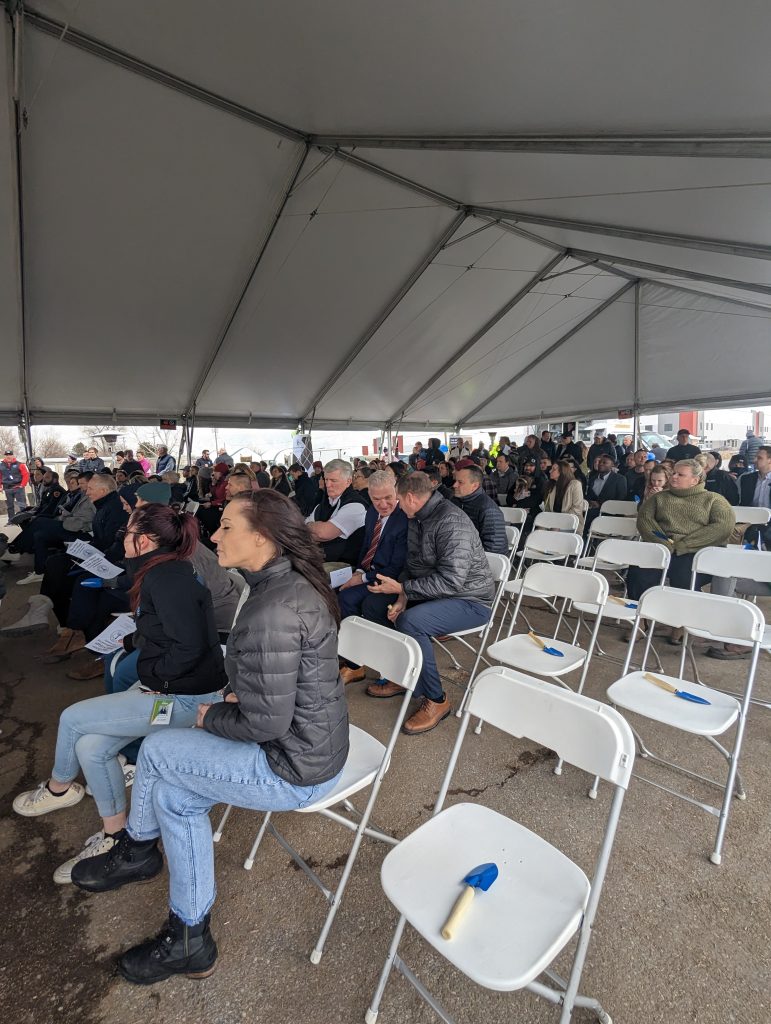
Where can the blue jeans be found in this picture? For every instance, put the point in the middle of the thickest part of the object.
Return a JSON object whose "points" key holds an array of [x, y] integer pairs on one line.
{"points": [[181, 774], [435, 618], [92, 732], [123, 678], [13, 495]]}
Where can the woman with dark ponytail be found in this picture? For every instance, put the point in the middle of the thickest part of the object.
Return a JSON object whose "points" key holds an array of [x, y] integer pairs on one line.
{"points": [[179, 665], [278, 741]]}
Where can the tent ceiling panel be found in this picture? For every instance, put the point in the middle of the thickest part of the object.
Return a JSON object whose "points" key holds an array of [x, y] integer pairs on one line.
{"points": [[402, 50], [325, 276], [731, 268], [531, 327], [565, 383], [10, 313], [709, 347], [143, 210], [441, 313]]}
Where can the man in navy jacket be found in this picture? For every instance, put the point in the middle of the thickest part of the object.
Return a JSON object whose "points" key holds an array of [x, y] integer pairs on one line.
{"points": [[384, 551], [755, 487]]}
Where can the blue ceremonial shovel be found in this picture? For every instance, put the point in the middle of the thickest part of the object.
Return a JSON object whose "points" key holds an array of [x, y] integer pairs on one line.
{"points": [[682, 694], [481, 877], [92, 582], [546, 650]]}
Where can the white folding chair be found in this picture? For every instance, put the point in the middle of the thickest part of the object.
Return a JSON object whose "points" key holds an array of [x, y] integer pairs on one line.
{"points": [[727, 618], [733, 562], [512, 538], [514, 516], [564, 521], [541, 899], [395, 657], [556, 582], [640, 554], [620, 508], [500, 566], [540, 546], [752, 516], [600, 529]]}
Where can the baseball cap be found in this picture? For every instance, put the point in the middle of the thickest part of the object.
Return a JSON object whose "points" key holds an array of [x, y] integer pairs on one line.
{"points": [[9, 451], [465, 464]]}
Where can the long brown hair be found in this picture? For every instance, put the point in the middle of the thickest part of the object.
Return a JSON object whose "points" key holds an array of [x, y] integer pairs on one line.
{"points": [[566, 477], [176, 534], [277, 518]]}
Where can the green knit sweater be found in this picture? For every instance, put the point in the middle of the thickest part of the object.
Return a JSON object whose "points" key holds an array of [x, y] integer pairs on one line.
{"points": [[689, 519]]}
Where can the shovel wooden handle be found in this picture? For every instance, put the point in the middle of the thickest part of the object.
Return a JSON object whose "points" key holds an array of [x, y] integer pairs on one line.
{"points": [[536, 639], [458, 912]]}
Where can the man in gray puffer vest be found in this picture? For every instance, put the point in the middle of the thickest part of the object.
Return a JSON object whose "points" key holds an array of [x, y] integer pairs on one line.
{"points": [[446, 586]]}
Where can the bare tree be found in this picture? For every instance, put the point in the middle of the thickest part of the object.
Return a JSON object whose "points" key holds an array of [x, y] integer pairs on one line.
{"points": [[48, 445], [9, 438], [147, 441]]}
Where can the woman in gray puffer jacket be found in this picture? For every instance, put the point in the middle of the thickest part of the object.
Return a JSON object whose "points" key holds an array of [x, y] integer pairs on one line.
{"points": [[277, 742]]}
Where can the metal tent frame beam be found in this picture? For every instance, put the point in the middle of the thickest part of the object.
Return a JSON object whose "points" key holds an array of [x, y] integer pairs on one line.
{"points": [[552, 348], [479, 334], [222, 337], [378, 322], [681, 144]]}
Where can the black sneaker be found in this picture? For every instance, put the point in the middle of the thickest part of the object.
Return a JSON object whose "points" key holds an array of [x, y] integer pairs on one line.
{"points": [[128, 861], [178, 948]]}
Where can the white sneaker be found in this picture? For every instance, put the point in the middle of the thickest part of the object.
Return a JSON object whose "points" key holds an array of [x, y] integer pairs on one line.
{"points": [[33, 577], [39, 801], [10, 557], [129, 771], [94, 846]]}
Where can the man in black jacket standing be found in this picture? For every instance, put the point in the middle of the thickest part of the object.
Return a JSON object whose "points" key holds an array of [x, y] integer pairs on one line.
{"points": [[446, 586], [567, 449], [601, 446], [683, 450], [483, 512], [306, 489]]}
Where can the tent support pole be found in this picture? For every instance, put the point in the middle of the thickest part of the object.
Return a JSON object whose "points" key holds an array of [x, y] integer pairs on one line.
{"points": [[483, 330], [222, 337], [637, 289], [552, 348], [375, 326]]}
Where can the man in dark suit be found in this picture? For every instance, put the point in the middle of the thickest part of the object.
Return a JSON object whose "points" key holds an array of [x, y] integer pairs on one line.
{"points": [[384, 551], [755, 487], [604, 484]]}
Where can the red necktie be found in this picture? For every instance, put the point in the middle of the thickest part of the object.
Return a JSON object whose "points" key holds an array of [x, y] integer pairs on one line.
{"points": [[366, 562]]}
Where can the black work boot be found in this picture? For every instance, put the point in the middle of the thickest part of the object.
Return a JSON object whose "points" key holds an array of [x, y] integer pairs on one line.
{"points": [[128, 861], [178, 948]]}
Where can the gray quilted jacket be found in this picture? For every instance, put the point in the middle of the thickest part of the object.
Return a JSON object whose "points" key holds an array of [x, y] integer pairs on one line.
{"points": [[281, 663], [445, 557]]}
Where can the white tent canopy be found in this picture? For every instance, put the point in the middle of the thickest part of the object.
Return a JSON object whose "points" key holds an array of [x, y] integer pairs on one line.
{"points": [[355, 215]]}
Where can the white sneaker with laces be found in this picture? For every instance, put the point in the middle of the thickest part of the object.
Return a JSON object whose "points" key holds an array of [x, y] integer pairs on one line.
{"points": [[10, 557], [94, 846], [33, 577], [39, 801], [129, 771]]}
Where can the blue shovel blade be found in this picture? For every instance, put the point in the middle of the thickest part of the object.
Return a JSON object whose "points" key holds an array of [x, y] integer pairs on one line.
{"points": [[684, 695], [554, 652], [482, 877]]}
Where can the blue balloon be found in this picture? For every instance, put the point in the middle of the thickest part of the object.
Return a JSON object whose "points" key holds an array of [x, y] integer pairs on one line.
{"points": [[443, 448]]}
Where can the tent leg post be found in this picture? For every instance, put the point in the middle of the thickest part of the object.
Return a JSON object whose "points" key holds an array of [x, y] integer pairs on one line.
{"points": [[637, 289]]}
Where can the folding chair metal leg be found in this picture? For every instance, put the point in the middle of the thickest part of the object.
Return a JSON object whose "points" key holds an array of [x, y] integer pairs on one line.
{"points": [[449, 654], [218, 834], [249, 862], [374, 1007]]}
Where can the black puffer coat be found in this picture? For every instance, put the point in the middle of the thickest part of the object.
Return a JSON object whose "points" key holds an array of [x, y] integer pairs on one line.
{"points": [[282, 665], [445, 557]]}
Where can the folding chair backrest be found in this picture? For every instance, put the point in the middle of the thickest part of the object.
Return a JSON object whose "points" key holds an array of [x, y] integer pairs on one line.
{"points": [[750, 514], [613, 526], [734, 561], [500, 566], [708, 613], [640, 553], [512, 537], [514, 516], [556, 521], [394, 656], [620, 508], [585, 733], [550, 542], [551, 580]]}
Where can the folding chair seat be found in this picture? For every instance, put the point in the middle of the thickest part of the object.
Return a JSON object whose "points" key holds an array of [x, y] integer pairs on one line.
{"points": [[395, 657], [716, 712], [541, 899], [602, 528]]}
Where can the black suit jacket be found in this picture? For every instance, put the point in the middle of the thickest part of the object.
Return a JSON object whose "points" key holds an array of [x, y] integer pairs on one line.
{"points": [[614, 488], [391, 551], [747, 483]]}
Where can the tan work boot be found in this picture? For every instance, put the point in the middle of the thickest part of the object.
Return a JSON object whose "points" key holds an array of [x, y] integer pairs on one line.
{"points": [[427, 717], [384, 688], [352, 675], [91, 670], [68, 643]]}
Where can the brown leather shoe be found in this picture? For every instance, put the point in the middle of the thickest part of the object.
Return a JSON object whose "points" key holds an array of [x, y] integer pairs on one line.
{"points": [[427, 717], [353, 675], [384, 689], [91, 670], [67, 644]]}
